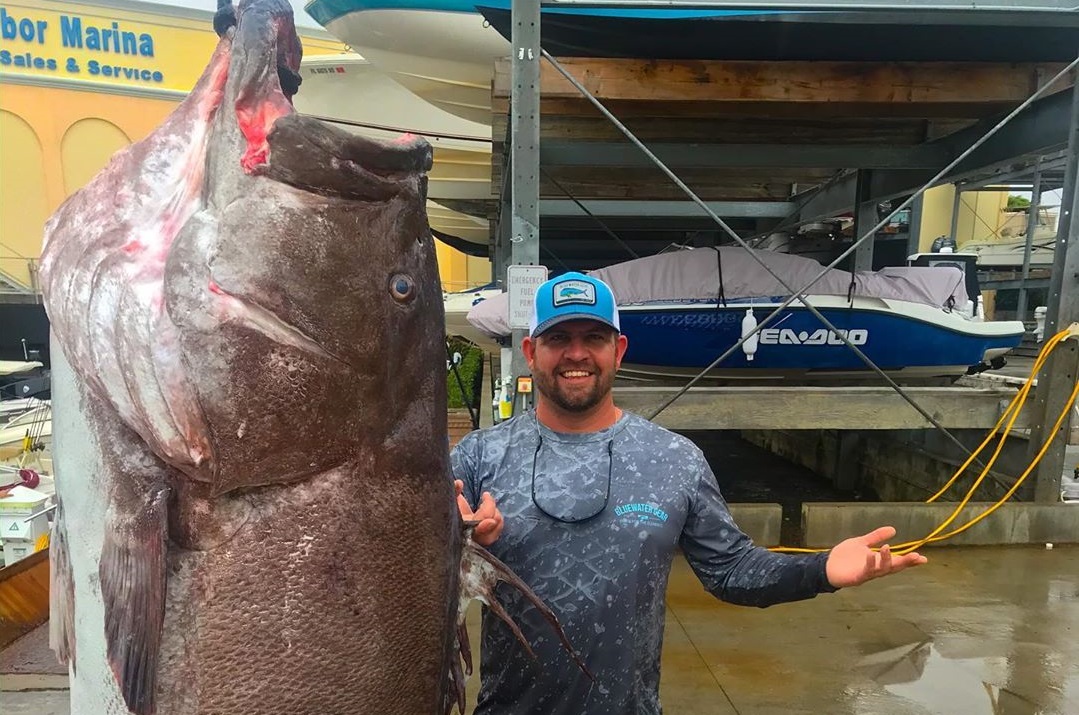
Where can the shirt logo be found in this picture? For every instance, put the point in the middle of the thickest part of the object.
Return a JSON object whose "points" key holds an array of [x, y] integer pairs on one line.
{"points": [[641, 513], [574, 291]]}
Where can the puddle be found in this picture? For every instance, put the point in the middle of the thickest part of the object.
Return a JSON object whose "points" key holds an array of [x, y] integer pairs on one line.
{"points": [[995, 685]]}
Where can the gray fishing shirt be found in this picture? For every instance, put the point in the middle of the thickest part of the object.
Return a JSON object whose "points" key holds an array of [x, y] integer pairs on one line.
{"points": [[605, 577]]}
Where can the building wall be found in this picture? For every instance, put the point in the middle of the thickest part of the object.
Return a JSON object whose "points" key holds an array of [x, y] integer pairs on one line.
{"points": [[52, 141], [980, 216], [61, 118], [936, 215]]}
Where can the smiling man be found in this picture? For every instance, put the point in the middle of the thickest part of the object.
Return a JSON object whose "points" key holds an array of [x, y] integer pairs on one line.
{"points": [[588, 505]]}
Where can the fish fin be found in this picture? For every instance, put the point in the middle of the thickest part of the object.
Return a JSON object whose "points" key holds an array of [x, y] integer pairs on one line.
{"points": [[464, 647], [456, 695], [480, 573], [61, 593], [133, 588]]}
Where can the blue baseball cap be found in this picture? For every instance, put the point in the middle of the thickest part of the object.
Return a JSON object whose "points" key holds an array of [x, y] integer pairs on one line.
{"points": [[573, 296]]}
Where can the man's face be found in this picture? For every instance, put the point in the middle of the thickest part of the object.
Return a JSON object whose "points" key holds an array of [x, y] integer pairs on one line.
{"points": [[574, 363]]}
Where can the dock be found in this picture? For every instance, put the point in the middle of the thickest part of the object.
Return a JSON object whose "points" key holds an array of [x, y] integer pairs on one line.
{"points": [[598, 159]]}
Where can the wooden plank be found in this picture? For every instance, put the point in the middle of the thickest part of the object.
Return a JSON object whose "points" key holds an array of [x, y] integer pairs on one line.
{"points": [[944, 85], [24, 596], [758, 130], [777, 407]]}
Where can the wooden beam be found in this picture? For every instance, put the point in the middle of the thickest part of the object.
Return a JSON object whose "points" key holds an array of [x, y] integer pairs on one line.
{"points": [[654, 127], [748, 88], [777, 407]]}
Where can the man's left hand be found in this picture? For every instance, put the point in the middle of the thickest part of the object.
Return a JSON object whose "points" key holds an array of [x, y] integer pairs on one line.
{"points": [[487, 514], [853, 562]]}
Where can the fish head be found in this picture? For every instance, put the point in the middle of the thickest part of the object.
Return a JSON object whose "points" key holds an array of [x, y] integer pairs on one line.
{"points": [[306, 293]]}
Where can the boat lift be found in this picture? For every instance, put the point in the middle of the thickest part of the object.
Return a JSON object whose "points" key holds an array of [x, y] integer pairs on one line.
{"points": [[521, 231]]}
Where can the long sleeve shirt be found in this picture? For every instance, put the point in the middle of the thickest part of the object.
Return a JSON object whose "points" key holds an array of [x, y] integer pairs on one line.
{"points": [[651, 491]]}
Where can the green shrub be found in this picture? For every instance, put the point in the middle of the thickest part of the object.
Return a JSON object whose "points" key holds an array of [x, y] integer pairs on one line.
{"points": [[471, 371]]}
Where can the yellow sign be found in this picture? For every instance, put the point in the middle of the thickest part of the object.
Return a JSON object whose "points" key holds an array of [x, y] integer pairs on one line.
{"points": [[111, 46], [85, 46]]}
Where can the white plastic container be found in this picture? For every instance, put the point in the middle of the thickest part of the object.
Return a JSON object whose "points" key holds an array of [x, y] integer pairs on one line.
{"points": [[22, 522]]}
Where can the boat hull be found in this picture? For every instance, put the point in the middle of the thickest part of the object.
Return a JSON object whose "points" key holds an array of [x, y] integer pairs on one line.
{"points": [[445, 58], [676, 341], [785, 36], [445, 50], [339, 89]]}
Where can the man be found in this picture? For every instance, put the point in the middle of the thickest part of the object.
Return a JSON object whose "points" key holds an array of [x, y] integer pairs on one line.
{"points": [[592, 503]]}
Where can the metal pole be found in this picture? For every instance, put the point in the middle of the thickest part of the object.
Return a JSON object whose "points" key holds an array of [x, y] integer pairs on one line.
{"points": [[955, 213], [1059, 373], [524, 150], [1032, 225], [865, 215], [914, 228]]}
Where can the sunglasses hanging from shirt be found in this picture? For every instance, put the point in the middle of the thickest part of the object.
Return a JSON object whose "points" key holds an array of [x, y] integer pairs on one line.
{"points": [[576, 494]]}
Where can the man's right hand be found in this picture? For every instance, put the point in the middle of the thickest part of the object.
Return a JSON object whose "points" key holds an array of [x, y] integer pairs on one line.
{"points": [[490, 518]]}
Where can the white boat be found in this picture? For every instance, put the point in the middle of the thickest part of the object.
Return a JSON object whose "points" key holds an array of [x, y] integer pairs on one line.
{"points": [[350, 92], [26, 440], [912, 321], [457, 306], [1008, 254], [445, 50]]}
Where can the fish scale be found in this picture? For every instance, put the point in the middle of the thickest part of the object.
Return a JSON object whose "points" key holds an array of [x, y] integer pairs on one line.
{"points": [[250, 301]]}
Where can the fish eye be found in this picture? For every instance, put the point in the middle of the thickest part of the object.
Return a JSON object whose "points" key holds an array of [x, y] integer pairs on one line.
{"points": [[402, 288]]}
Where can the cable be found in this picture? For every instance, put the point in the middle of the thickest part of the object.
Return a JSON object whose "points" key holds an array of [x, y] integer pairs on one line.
{"points": [[1011, 413]]}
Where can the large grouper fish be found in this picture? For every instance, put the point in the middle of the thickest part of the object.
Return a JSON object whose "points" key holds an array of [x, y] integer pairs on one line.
{"points": [[250, 304]]}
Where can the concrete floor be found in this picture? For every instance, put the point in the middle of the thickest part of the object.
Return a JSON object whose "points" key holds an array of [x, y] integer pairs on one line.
{"points": [[991, 630]]}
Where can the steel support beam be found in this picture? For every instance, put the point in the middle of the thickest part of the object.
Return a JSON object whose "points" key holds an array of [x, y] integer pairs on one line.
{"points": [[840, 195], [524, 151], [1007, 177], [675, 209], [865, 218], [1030, 283], [678, 155], [957, 199], [914, 235], [1032, 225], [1057, 378], [1040, 129]]}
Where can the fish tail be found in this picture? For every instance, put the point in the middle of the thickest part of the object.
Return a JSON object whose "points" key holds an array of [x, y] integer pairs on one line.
{"points": [[61, 594], [132, 575], [480, 573]]}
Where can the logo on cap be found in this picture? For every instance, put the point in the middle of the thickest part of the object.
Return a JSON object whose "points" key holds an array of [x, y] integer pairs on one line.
{"points": [[574, 292]]}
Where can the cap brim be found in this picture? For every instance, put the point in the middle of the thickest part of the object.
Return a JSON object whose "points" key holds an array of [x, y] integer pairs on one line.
{"points": [[551, 322]]}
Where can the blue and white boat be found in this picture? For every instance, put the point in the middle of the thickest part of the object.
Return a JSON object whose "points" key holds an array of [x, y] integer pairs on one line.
{"points": [[445, 50], [914, 322]]}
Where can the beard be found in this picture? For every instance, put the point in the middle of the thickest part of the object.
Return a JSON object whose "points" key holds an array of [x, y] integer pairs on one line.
{"points": [[580, 399]]}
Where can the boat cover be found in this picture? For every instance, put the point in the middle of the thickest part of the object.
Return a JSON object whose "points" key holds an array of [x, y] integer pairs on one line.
{"points": [[689, 276]]}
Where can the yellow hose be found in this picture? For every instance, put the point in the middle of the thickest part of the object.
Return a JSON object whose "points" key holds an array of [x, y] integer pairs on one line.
{"points": [[1011, 413]]}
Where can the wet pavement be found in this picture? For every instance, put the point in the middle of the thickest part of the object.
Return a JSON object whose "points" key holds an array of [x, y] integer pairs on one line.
{"points": [[977, 631]]}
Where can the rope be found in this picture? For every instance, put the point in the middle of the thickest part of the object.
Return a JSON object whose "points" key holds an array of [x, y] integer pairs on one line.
{"points": [[722, 297]]}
